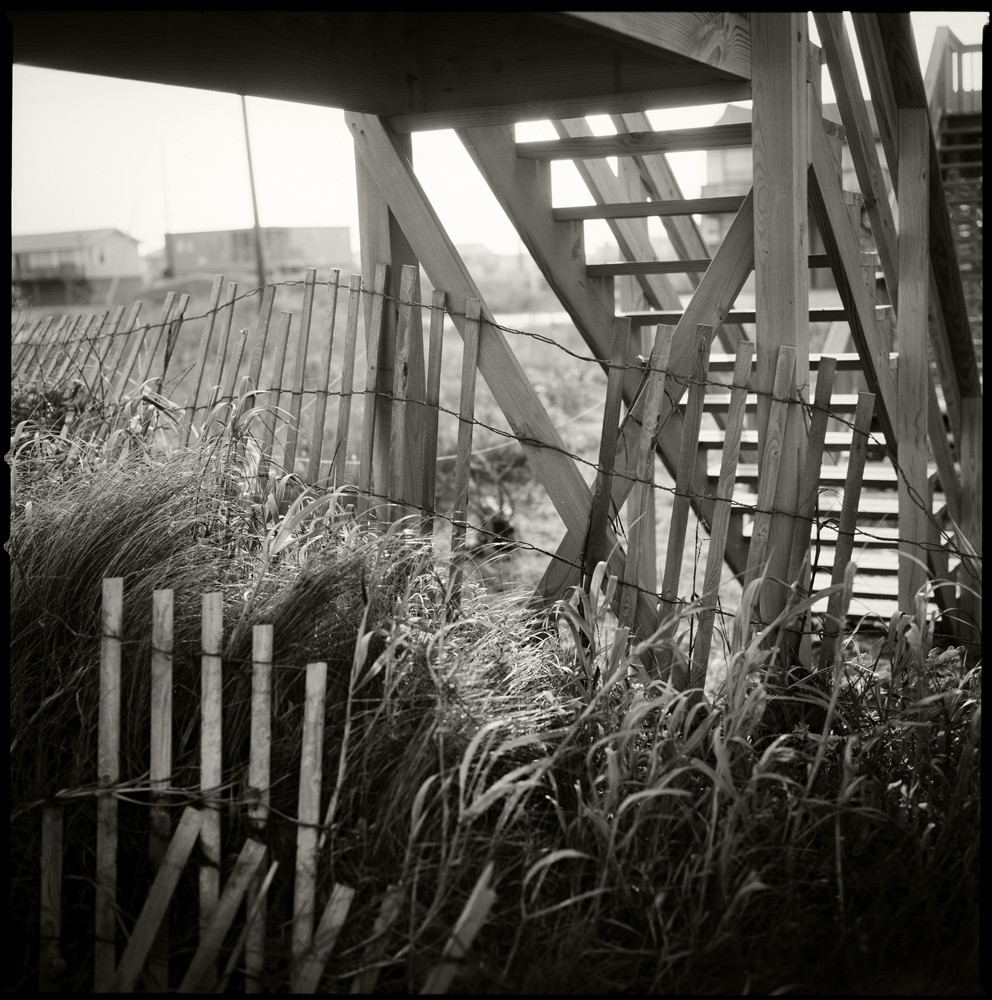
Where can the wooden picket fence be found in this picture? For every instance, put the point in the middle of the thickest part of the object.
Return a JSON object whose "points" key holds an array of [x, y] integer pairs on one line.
{"points": [[143, 955]]}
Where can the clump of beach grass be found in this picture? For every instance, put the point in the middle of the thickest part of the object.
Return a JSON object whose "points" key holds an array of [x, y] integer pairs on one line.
{"points": [[779, 832]]}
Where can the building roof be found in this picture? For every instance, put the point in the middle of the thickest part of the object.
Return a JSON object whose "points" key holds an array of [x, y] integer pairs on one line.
{"points": [[73, 240]]}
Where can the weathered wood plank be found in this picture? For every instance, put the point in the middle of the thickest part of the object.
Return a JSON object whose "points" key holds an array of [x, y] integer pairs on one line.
{"points": [[913, 372], [638, 143], [299, 372], [721, 519], [652, 209], [720, 40], [323, 386], [781, 124]]}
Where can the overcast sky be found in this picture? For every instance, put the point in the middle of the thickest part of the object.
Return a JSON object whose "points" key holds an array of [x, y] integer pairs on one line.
{"points": [[91, 152]]}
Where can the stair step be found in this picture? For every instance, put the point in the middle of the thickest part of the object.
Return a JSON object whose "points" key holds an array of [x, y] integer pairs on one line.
{"points": [[845, 362], [671, 317], [835, 441], [638, 143], [876, 475], [650, 209], [634, 267]]}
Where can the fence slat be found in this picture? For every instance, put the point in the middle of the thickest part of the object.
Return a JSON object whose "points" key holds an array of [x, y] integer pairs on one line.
{"points": [[311, 772], [339, 460], [273, 415], [847, 525], [472, 917], [211, 769], [175, 326], [258, 338], [311, 967], [463, 459], [157, 904], [168, 310], [201, 356], [771, 457], [259, 781], [229, 359], [373, 339], [50, 962], [654, 394], [599, 513], [255, 901], [721, 516], [108, 772], [399, 414], [323, 387], [201, 973], [299, 372], [160, 768], [432, 399], [688, 452]]}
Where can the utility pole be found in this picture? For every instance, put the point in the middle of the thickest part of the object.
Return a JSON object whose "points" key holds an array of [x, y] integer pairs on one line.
{"points": [[254, 203]]}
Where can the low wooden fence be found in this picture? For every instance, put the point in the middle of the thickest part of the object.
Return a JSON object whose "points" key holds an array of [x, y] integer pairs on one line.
{"points": [[225, 888], [153, 380]]}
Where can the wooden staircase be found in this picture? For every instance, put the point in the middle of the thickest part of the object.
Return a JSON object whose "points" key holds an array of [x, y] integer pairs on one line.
{"points": [[959, 151]]}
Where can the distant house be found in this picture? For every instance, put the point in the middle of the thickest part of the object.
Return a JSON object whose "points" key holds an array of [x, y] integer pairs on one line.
{"points": [[75, 268], [286, 252]]}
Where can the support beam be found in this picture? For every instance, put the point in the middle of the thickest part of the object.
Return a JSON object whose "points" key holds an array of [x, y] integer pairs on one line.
{"points": [[498, 365], [911, 342], [780, 53]]}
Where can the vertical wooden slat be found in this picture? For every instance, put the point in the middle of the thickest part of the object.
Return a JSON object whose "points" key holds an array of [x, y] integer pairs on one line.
{"points": [[780, 153], [463, 459], [255, 345], [323, 386], [155, 335], [599, 514], [721, 516], [847, 524], [53, 351], [100, 372], [50, 962], [681, 504], [160, 768], [255, 899], [127, 356], [299, 372], [228, 356], [373, 337], [800, 575], [913, 372], [172, 337], [201, 355], [768, 477], [211, 758], [108, 774], [273, 415], [398, 442], [307, 835], [643, 491], [27, 353], [259, 781], [432, 400], [76, 349], [339, 460]]}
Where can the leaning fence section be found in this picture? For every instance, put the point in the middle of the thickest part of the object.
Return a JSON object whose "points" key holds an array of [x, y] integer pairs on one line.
{"points": [[338, 394], [233, 881]]}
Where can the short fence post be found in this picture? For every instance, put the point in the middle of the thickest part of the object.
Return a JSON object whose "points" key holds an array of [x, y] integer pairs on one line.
{"points": [[108, 771], [50, 962]]}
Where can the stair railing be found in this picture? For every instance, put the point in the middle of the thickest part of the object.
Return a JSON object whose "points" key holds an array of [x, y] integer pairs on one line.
{"points": [[953, 80]]}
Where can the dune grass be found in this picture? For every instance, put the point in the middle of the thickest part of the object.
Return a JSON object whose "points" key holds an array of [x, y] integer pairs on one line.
{"points": [[810, 834]]}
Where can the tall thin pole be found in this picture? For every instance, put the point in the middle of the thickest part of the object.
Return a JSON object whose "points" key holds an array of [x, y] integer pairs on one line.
{"points": [[254, 202]]}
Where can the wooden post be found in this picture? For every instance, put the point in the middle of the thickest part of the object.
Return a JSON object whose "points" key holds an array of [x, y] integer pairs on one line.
{"points": [[383, 241], [259, 780], [913, 373], [108, 774], [308, 816], [211, 769], [339, 461], [160, 772], [401, 461], [780, 54], [432, 401]]}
